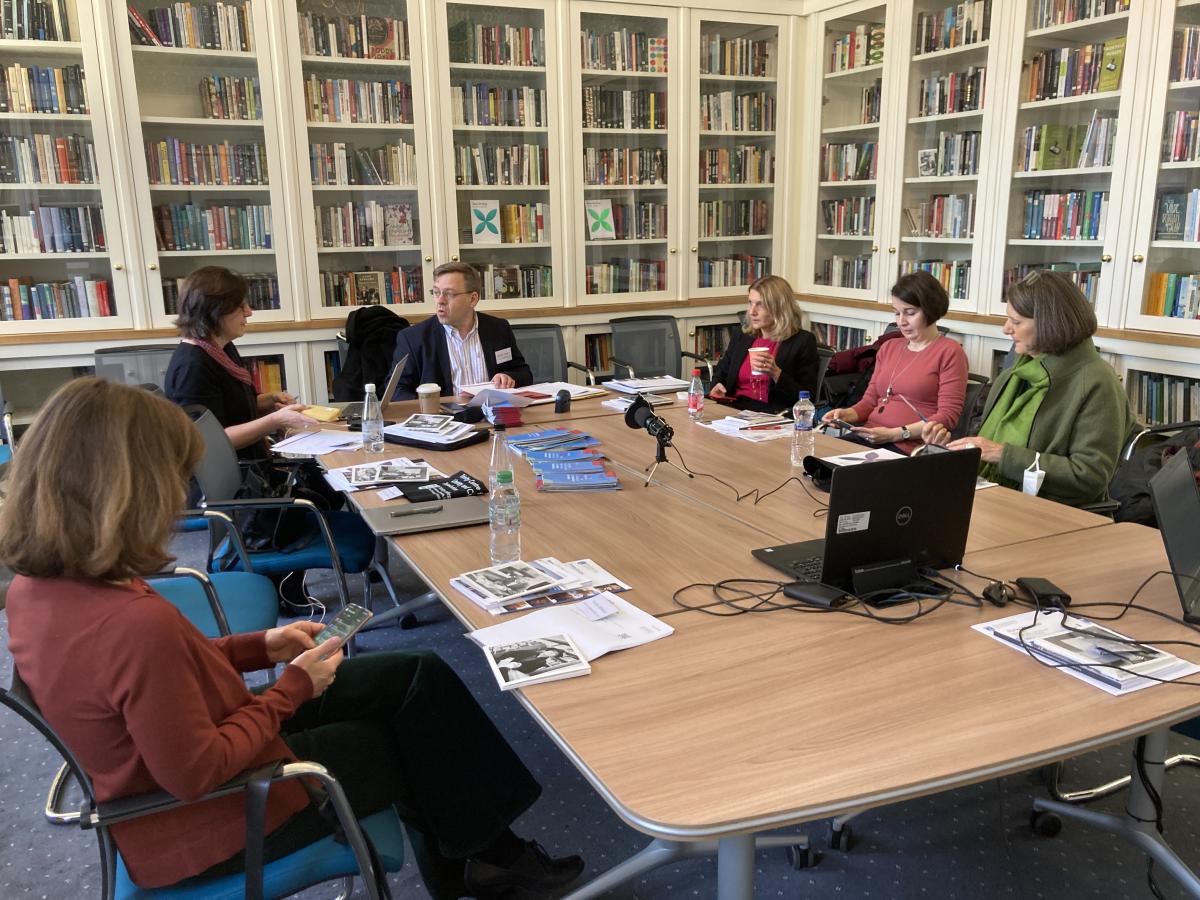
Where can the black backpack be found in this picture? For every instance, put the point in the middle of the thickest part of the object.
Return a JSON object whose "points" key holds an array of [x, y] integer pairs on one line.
{"points": [[371, 333]]}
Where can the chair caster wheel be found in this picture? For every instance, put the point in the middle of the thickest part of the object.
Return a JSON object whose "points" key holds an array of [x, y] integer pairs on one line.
{"points": [[802, 857], [410, 621], [1044, 823], [841, 838]]}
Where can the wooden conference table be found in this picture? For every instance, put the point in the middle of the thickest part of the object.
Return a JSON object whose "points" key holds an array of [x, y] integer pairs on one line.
{"points": [[739, 724]]}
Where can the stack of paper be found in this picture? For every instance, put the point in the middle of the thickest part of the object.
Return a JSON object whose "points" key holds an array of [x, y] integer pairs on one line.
{"points": [[661, 384], [597, 626], [514, 587], [552, 439], [534, 660], [605, 480], [400, 470], [430, 428], [752, 426], [623, 403], [316, 443], [1088, 651]]}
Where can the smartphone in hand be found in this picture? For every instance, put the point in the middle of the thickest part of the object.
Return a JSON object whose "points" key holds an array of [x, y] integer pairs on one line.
{"points": [[345, 624]]}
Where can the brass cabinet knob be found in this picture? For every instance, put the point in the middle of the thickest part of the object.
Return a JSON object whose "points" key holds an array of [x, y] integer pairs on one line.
{"points": [[453, 259], [891, 249], [119, 267], [429, 259], [672, 250], [152, 266], [874, 248], [693, 249], [1137, 257], [1107, 257]]}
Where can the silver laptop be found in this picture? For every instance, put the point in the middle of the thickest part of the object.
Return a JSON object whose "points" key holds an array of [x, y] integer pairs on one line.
{"points": [[428, 515], [353, 409], [1176, 500]]}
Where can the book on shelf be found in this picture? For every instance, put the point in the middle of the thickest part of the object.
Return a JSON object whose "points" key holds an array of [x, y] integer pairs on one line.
{"points": [[1111, 64], [140, 30], [35, 20], [1169, 217], [485, 222], [397, 224]]}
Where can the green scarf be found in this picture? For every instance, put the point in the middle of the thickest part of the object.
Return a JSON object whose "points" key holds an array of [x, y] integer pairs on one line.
{"points": [[1011, 417]]}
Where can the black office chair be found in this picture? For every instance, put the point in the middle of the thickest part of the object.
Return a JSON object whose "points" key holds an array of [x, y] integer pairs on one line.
{"points": [[824, 355], [1140, 459], [544, 350], [648, 346], [141, 365], [976, 396], [321, 861]]}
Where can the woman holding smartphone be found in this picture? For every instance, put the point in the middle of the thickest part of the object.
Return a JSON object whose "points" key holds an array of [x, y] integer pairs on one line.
{"points": [[918, 381], [774, 358], [147, 703]]}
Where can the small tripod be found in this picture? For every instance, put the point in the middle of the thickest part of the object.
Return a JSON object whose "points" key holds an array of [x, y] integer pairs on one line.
{"points": [[663, 436]]}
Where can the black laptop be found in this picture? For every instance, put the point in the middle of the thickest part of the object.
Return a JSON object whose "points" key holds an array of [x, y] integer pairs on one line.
{"points": [[1176, 500], [886, 520]]}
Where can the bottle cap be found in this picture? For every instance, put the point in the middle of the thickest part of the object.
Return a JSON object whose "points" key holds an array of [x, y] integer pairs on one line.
{"points": [[804, 395], [695, 371], [499, 426], [504, 476], [369, 386]]}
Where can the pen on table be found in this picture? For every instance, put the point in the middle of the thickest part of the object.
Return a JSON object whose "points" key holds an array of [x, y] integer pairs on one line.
{"points": [[773, 426], [414, 511]]}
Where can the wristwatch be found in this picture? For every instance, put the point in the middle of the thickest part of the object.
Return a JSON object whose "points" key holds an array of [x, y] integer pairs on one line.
{"points": [[905, 434]]}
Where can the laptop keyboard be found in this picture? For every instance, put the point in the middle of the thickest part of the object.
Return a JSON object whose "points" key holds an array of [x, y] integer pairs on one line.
{"points": [[807, 569]]}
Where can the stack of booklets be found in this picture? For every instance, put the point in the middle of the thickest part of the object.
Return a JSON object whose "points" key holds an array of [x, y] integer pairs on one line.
{"points": [[752, 426], [503, 413], [551, 643], [661, 384], [1090, 652], [517, 586], [433, 429], [623, 403], [534, 394], [565, 460]]}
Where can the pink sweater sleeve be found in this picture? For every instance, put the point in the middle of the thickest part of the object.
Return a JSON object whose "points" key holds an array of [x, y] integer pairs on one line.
{"points": [[952, 383]]}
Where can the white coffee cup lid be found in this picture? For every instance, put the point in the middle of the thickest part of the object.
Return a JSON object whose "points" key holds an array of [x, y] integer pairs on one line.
{"points": [[429, 388]]}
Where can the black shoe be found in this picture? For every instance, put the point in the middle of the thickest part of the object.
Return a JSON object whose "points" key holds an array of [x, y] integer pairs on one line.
{"points": [[534, 876]]}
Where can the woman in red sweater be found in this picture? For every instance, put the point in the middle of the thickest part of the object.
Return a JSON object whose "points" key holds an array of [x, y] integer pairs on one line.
{"points": [[918, 380], [147, 703]]}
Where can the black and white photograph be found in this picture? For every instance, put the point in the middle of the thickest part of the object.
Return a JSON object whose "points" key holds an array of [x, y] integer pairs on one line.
{"points": [[539, 659], [427, 424], [927, 163], [509, 581]]}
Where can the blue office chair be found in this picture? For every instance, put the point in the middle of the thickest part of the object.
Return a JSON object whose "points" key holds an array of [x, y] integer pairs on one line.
{"points": [[220, 603], [345, 543], [321, 861], [8, 441]]}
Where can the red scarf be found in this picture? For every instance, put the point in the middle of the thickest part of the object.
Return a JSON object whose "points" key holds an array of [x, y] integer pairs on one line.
{"points": [[223, 360]]}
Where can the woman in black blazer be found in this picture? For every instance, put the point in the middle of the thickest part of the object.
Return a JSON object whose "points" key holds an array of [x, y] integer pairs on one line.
{"points": [[787, 362]]}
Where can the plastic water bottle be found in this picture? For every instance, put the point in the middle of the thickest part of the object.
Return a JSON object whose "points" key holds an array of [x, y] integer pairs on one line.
{"points": [[501, 457], [695, 397], [504, 517], [372, 421], [802, 429]]}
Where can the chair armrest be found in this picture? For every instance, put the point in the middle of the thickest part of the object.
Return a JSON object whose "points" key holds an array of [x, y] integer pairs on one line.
{"points": [[686, 354], [1131, 447], [210, 594], [1104, 507], [616, 361], [591, 376]]}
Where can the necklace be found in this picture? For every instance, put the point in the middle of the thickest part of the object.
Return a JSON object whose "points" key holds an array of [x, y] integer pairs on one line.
{"points": [[896, 373]]}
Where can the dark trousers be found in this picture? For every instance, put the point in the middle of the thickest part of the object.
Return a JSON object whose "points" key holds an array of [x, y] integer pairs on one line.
{"points": [[402, 729]]}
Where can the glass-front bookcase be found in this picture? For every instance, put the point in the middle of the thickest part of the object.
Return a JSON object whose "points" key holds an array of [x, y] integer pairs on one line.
{"points": [[626, 64], [62, 260], [740, 120], [1074, 114], [498, 74], [360, 150], [202, 129], [852, 111]]}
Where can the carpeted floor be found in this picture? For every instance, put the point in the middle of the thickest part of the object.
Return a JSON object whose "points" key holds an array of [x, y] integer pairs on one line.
{"points": [[970, 843]]}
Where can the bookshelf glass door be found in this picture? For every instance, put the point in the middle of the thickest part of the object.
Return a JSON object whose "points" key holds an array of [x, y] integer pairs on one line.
{"points": [[499, 134], [626, 65], [62, 261], [365, 172], [1073, 122], [207, 172]]}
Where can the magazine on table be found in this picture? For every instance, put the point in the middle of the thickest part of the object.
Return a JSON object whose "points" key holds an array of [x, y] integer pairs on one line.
{"points": [[540, 456], [594, 580], [400, 470], [599, 625], [534, 660], [1090, 652], [550, 439], [499, 584], [605, 480], [661, 384], [571, 465], [430, 428], [537, 394]]}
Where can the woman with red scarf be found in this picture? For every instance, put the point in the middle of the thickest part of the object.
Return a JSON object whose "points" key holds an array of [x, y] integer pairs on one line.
{"points": [[206, 368]]}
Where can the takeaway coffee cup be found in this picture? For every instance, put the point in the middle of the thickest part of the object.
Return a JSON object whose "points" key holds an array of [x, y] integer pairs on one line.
{"points": [[429, 397]]}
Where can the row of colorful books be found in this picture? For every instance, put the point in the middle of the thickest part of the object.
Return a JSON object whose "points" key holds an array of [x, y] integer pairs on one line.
{"points": [[942, 216], [262, 291], [1173, 294], [720, 55], [474, 103], [954, 26], [1075, 71], [848, 162], [737, 111], [734, 218], [352, 101], [609, 220], [1045, 13], [623, 51], [954, 274], [497, 45], [367, 223], [849, 215], [42, 158], [1065, 216], [625, 165], [340, 163], [1158, 398], [174, 161], [400, 284], [486, 164], [53, 229], [43, 89], [955, 153], [199, 26], [493, 222], [604, 108], [1054, 146], [956, 92], [861, 47], [80, 297], [507, 282], [731, 271], [743, 164], [845, 271], [625, 276], [35, 20], [230, 97], [232, 226], [353, 37]]}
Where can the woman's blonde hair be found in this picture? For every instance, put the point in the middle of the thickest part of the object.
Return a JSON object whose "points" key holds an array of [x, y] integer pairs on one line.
{"points": [[97, 482], [780, 301]]}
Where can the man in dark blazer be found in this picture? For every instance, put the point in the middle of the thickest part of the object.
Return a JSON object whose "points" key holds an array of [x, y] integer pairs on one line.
{"points": [[459, 346]]}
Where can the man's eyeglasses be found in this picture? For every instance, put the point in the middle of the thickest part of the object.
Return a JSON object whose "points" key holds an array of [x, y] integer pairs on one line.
{"points": [[437, 293]]}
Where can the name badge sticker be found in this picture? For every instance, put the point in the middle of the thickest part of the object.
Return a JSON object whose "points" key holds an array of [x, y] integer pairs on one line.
{"points": [[851, 522], [505, 355]]}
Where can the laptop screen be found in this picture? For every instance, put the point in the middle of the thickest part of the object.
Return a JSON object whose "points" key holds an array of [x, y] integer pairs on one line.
{"points": [[916, 509], [1176, 501]]}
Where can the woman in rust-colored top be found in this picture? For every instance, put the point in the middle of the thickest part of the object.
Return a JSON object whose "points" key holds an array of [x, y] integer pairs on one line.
{"points": [[147, 703]]}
